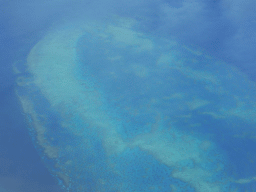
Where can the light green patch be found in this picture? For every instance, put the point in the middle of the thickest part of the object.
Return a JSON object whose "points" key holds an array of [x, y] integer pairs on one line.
{"points": [[130, 37]]}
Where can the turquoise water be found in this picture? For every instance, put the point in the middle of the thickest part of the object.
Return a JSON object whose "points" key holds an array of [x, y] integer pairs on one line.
{"points": [[112, 108]]}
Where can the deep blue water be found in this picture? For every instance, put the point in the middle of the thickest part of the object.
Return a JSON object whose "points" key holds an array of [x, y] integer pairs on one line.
{"points": [[21, 168], [21, 165]]}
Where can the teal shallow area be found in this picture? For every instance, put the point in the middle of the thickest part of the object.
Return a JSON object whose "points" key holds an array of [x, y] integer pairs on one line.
{"points": [[138, 114], [144, 173]]}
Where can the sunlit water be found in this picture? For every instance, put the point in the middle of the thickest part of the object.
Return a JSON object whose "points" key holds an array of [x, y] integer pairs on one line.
{"points": [[113, 109]]}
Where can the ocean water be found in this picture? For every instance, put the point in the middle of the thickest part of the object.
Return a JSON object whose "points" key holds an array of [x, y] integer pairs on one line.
{"points": [[127, 96], [21, 168]]}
